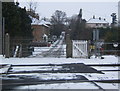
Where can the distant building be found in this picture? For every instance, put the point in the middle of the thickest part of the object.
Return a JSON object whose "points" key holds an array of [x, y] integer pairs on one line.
{"points": [[41, 31], [97, 23]]}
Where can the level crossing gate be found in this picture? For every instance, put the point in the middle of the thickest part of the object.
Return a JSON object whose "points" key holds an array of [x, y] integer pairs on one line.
{"points": [[79, 49]]}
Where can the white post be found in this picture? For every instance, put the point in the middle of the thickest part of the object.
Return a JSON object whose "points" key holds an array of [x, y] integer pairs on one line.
{"points": [[16, 51]]}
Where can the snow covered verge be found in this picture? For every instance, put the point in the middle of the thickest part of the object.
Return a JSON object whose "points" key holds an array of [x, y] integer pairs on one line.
{"points": [[1, 56]]}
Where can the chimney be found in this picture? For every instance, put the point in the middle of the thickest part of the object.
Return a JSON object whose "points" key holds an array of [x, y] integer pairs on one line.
{"points": [[99, 18], [93, 16]]}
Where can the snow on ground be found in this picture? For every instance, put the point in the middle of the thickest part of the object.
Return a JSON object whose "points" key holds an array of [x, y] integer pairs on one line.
{"points": [[49, 76], [108, 86], [54, 47], [83, 85], [108, 75], [39, 50], [36, 68], [105, 68], [107, 60], [105, 76]]}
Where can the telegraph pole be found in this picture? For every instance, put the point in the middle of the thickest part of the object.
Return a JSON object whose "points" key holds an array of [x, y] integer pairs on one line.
{"points": [[1, 28], [0, 38]]}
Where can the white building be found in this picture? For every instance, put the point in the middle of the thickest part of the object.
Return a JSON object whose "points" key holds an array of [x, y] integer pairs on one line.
{"points": [[97, 23]]}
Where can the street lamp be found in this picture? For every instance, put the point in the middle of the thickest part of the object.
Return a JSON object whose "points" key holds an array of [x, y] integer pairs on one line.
{"points": [[115, 45]]}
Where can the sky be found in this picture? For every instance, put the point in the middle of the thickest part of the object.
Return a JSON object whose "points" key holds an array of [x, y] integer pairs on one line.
{"points": [[99, 8]]}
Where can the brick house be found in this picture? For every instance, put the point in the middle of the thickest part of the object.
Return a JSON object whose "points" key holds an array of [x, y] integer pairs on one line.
{"points": [[41, 31]]}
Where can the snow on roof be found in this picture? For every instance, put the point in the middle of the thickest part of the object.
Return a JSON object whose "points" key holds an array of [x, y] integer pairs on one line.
{"points": [[38, 22], [34, 21], [45, 35], [97, 20], [45, 22], [44, 25]]}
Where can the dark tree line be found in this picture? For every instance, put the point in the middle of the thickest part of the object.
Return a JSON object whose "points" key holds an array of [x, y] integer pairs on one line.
{"points": [[110, 34], [17, 21], [78, 28], [75, 25], [18, 25]]}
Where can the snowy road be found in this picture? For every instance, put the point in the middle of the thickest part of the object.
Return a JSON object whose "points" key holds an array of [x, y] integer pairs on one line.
{"points": [[57, 50]]}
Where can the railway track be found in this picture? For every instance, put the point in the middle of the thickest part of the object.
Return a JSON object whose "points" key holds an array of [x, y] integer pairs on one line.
{"points": [[105, 65], [27, 80]]}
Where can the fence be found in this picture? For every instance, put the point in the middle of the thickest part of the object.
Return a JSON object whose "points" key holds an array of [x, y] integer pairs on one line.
{"points": [[20, 47], [28, 48]]}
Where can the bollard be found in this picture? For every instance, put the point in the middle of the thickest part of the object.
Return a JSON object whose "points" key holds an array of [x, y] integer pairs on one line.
{"points": [[7, 46], [89, 50]]}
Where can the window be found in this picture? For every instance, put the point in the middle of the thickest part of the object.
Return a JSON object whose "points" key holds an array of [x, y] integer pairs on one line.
{"points": [[104, 24]]}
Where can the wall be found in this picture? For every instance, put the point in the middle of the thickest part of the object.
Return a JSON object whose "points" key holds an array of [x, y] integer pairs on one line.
{"points": [[39, 31], [96, 26]]}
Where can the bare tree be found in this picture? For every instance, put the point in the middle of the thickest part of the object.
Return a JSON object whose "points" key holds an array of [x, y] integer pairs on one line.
{"points": [[77, 26], [58, 20], [32, 6], [58, 17]]}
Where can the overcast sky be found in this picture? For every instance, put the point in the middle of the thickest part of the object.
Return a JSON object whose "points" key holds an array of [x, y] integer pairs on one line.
{"points": [[99, 9]]}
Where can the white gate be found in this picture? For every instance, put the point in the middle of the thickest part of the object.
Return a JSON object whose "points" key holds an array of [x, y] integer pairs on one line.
{"points": [[80, 49]]}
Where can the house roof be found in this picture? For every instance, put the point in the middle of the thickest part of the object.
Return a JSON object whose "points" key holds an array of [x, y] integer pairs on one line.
{"points": [[42, 22], [45, 22], [97, 20]]}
